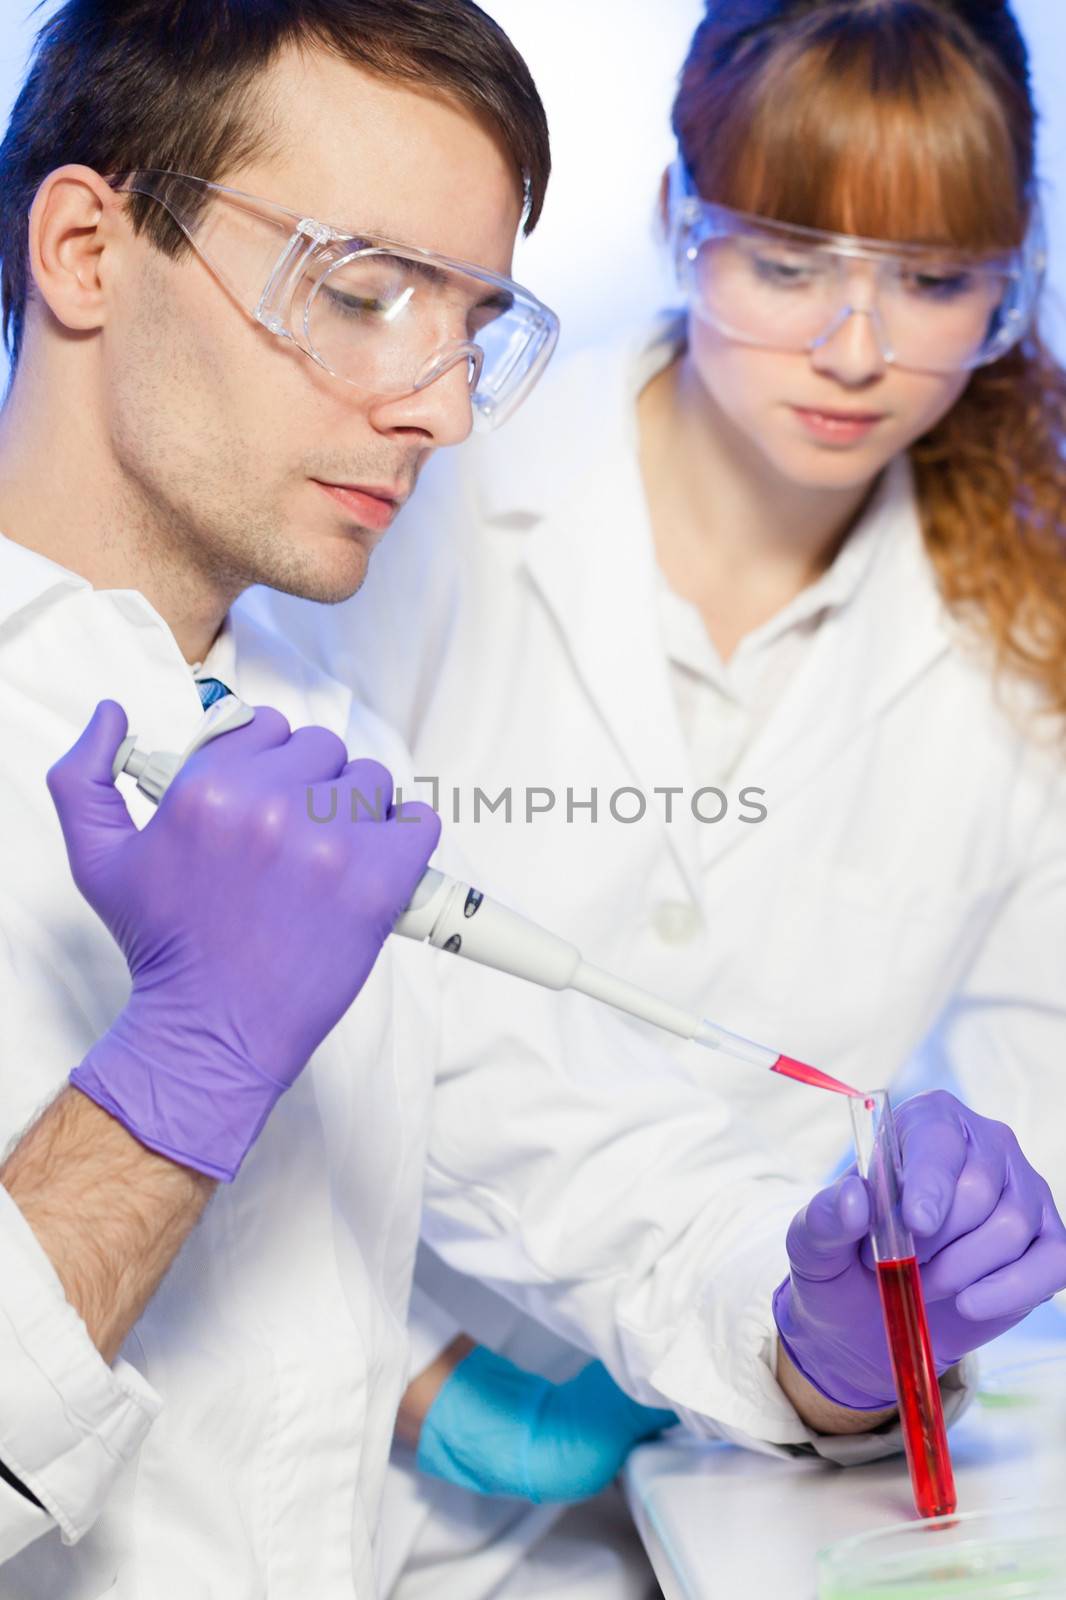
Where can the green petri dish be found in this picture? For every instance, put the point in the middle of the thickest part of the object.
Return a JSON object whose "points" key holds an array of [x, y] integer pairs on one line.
{"points": [[1017, 1554], [1026, 1385]]}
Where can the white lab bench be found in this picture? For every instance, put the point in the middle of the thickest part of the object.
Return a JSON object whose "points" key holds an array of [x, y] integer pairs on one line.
{"points": [[721, 1523]]}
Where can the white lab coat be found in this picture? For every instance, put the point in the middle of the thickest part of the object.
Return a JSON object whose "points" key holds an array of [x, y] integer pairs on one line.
{"points": [[238, 1448], [905, 898]]}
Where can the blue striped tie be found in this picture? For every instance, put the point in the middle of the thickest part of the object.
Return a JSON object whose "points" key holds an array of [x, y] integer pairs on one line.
{"points": [[211, 689]]}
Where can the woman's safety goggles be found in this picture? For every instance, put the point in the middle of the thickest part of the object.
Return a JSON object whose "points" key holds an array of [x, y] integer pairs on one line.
{"points": [[790, 288], [388, 318]]}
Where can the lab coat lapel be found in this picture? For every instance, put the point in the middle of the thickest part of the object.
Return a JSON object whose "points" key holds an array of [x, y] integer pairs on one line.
{"points": [[593, 563]]}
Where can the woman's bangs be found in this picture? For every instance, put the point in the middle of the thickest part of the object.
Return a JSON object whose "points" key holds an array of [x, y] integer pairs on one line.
{"points": [[914, 150]]}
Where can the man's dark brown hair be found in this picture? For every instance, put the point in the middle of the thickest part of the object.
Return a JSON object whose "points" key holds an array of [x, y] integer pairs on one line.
{"points": [[120, 84]]}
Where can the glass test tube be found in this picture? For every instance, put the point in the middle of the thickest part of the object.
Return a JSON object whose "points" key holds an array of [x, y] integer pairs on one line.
{"points": [[920, 1408]]}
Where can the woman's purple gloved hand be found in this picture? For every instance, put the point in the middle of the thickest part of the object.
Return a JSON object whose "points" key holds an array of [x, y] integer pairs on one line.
{"points": [[248, 927], [990, 1243]]}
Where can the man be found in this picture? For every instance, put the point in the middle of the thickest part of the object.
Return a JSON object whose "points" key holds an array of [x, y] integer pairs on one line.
{"points": [[167, 442]]}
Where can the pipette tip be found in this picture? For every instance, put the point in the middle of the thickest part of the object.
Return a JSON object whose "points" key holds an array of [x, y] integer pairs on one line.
{"points": [[802, 1073]]}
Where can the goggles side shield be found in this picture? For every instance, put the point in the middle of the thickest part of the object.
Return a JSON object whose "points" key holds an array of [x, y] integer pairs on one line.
{"points": [[385, 317]]}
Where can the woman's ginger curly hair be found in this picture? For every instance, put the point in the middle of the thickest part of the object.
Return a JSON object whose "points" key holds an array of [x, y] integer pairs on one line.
{"points": [[992, 489], [912, 120]]}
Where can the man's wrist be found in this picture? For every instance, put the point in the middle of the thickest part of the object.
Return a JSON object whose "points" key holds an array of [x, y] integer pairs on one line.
{"points": [[819, 1413], [205, 1117], [109, 1214]]}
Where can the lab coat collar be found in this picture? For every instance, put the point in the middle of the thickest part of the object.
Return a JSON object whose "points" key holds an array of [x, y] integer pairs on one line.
{"points": [[27, 577], [568, 483], [590, 553], [840, 583], [692, 645], [892, 628], [865, 655], [572, 424]]}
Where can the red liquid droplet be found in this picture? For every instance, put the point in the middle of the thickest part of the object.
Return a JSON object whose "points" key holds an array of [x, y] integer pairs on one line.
{"points": [[920, 1408], [802, 1073]]}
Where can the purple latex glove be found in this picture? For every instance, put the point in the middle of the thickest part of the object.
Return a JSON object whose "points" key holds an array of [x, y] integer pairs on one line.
{"points": [[248, 928], [988, 1238]]}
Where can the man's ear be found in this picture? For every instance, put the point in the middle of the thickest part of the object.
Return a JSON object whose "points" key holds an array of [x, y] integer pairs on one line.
{"points": [[73, 222]]}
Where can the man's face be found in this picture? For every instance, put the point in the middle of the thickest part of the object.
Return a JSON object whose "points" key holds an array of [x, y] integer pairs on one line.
{"points": [[224, 433]]}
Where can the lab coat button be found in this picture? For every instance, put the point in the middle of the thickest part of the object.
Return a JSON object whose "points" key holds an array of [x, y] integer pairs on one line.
{"points": [[677, 921]]}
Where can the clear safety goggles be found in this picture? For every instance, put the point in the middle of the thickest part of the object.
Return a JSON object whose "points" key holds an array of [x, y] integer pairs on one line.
{"points": [[789, 288], [388, 318]]}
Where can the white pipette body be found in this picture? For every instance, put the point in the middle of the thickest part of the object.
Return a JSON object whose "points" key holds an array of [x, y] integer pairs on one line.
{"points": [[454, 916], [457, 918]]}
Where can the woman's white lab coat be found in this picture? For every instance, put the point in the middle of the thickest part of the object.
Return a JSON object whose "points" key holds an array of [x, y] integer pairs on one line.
{"points": [[904, 899]]}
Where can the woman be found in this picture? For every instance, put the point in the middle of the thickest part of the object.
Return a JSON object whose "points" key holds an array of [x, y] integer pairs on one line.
{"points": [[783, 581]]}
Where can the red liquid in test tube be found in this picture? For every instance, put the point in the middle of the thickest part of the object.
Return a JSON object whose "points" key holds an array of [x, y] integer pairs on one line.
{"points": [[906, 1325], [921, 1412]]}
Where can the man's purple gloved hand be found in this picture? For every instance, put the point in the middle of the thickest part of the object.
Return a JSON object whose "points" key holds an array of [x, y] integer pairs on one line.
{"points": [[988, 1238], [248, 927]]}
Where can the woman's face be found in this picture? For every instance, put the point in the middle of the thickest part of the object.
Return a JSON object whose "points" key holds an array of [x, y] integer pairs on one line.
{"points": [[827, 419]]}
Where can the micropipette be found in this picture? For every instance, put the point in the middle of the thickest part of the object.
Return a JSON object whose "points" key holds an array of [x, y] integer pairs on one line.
{"points": [[906, 1325], [458, 918]]}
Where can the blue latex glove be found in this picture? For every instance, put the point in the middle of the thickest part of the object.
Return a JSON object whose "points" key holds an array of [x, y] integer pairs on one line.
{"points": [[988, 1239], [248, 927], [498, 1430]]}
